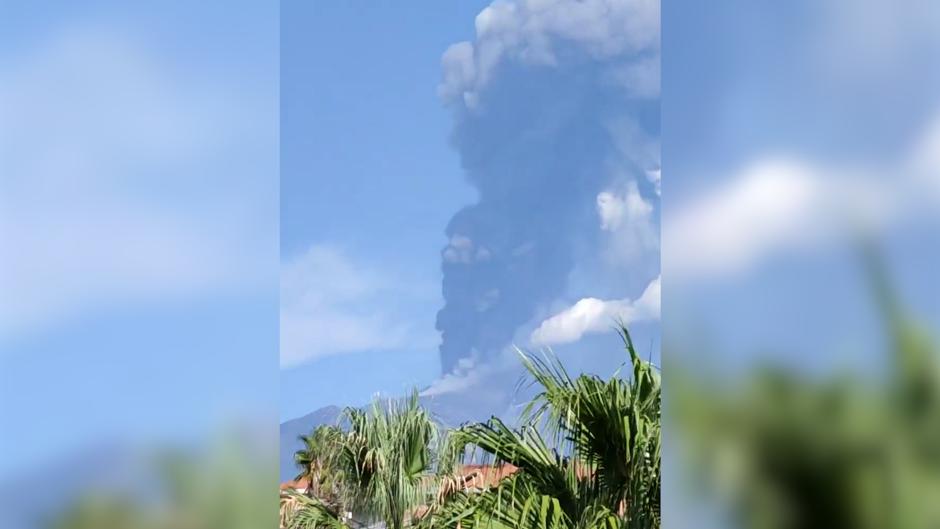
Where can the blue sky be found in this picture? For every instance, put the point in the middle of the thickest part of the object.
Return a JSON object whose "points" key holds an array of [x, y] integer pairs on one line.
{"points": [[778, 155], [139, 219], [367, 173]]}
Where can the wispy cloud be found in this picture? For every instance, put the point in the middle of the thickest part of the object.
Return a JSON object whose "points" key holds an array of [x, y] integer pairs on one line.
{"points": [[627, 221], [125, 181], [332, 304], [783, 204], [769, 204]]}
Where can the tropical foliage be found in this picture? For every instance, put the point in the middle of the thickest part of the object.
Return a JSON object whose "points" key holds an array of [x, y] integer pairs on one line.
{"points": [[783, 450], [228, 485], [586, 455], [381, 467], [316, 461]]}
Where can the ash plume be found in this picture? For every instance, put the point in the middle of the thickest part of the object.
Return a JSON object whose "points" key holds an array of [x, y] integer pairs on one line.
{"points": [[554, 103]]}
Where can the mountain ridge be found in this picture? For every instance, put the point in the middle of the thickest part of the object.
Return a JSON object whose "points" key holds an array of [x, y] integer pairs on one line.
{"points": [[450, 410]]}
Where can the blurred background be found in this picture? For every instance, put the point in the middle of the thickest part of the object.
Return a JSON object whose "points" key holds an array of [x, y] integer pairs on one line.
{"points": [[801, 162], [138, 264]]}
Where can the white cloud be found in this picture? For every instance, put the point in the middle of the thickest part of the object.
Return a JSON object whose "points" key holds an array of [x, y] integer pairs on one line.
{"points": [[528, 31], [591, 315], [332, 305], [769, 204], [925, 162], [628, 220], [778, 205], [618, 210], [125, 182]]}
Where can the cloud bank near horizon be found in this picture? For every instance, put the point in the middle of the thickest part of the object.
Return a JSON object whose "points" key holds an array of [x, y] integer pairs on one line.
{"points": [[333, 303]]}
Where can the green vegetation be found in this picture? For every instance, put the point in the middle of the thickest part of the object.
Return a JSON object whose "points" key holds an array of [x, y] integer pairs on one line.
{"points": [[586, 455], [228, 487], [780, 450], [382, 467]]}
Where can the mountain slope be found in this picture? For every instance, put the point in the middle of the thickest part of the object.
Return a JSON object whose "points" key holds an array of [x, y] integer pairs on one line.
{"points": [[450, 410], [292, 429]]}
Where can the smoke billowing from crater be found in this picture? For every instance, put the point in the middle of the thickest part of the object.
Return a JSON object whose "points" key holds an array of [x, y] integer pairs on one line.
{"points": [[553, 104]]}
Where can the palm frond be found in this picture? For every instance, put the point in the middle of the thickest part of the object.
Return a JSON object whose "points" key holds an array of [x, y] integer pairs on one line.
{"points": [[303, 512]]}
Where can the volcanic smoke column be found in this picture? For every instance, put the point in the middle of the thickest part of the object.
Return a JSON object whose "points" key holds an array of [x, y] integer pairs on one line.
{"points": [[552, 103]]}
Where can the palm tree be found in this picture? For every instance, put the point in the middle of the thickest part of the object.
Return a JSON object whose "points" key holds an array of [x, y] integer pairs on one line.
{"points": [[298, 511], [588, 454], [385, 466], [391, 453], [778, 448], [316, 461]]}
